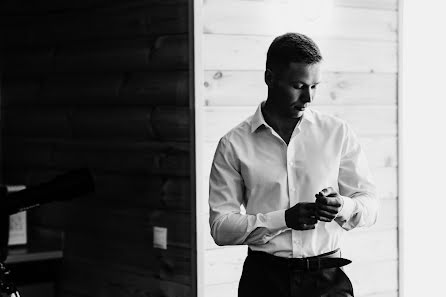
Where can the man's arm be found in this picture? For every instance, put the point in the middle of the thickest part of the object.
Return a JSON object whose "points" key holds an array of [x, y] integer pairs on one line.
{"points": [[226, 190], [356, 187]]}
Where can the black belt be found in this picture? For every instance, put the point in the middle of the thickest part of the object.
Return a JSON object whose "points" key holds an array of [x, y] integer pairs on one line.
{"points": [[328, 260]]}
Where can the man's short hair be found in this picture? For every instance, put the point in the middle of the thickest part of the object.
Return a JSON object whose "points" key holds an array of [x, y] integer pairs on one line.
{"points": [[292, 47]]}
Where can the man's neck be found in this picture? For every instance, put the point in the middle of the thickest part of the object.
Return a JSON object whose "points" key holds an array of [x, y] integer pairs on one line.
{"points": [[283, 126], [278, 121]]}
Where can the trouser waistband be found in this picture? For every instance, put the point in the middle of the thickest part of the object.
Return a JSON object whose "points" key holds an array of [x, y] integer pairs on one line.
{"points": [[322, 261]]}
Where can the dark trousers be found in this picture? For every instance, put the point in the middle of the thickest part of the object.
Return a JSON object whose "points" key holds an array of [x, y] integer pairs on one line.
{"points": [[263, 276]]}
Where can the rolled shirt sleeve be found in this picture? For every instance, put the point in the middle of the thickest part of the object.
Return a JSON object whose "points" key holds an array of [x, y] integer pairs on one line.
{"points": [[358, 191], [226, 194]]}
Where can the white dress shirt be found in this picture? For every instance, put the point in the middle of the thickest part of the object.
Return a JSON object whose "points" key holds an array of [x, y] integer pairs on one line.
{"points": [[255, 168]]}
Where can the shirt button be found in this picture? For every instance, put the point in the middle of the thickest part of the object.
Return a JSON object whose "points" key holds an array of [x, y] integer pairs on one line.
{"points": [[291, 163], [292, 189]]}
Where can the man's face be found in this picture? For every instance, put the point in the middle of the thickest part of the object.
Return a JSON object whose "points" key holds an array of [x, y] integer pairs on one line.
{"points": [[293, 89]]}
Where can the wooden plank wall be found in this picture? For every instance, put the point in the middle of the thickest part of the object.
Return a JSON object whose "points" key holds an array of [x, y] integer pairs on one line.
{"points": [[359, 45], [105, 84]]}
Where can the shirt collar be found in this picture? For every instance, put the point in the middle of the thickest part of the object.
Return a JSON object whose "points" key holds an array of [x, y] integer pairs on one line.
{"points": [[258, 120]]}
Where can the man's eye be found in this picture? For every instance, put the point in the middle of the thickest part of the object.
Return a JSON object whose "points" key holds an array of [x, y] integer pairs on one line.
{"points": [[299, 87], [314, 87]]}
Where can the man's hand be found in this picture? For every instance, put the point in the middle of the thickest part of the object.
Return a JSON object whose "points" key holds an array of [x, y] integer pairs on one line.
{"points": [[301, 216], [328, 204]]}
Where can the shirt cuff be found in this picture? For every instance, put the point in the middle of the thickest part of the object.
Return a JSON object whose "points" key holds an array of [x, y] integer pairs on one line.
{"points": [[275, 220], [348, 206]]}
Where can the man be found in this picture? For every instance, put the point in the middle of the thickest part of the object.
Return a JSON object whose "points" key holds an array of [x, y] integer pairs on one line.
{"points": [[302, 178]]}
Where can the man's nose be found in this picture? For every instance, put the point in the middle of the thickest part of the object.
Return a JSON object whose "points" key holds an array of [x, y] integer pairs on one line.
{"points": [[307, 95]]}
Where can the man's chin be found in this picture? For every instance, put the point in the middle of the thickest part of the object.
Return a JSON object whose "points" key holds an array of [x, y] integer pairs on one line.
{"points": [[295, 114]]}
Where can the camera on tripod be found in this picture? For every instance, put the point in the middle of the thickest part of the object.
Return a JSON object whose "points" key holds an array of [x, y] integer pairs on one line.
{"points": [[67, 186]]}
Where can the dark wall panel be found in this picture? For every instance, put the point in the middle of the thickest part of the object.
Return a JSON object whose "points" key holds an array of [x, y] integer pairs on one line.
{"points": [[105, 85]]}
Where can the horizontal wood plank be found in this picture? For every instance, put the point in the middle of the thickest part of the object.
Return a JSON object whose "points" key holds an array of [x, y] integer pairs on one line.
{"points": [[373, 4], [367, 245], [239, 52], [166, 123], [161, 88], [247, 88], [100, 24], [20, 90], [100, 58], [44, 123], [164, 52], [113, 123], [26, 154], [157, 88], [170, 158], [27, 60], [362, 119], [315, 19], [81, 87], [171, 193], [174, 163], [383, 274], [386, 180], [12, 7], [109, 279], [171, 123]]}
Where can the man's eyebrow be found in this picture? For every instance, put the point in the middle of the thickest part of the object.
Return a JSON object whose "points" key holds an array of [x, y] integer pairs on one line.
{"points": [[301, 82]]}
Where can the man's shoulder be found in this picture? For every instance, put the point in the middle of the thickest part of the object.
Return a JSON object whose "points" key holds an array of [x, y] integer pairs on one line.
{"points": [[239, 132]]}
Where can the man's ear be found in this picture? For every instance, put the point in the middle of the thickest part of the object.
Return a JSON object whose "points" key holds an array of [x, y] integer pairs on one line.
{"points": [[269, 77]]}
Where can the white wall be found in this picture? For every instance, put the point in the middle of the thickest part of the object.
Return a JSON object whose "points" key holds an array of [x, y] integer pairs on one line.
{"points": [[423, 148]]}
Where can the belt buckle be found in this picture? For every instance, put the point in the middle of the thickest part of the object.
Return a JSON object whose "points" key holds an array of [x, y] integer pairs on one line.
{"points": [[309, 261]]}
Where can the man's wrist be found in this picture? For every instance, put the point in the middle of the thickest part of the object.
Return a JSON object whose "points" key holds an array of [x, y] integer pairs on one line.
{"points": [[347, 208], [286, 217], [276, 219]]}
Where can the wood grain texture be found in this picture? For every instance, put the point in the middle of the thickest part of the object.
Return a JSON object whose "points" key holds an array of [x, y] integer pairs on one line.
{"points": [[137, 159], [105, 85], [373, 4], [139, 88], [247, 88], [143, 21], [362, 119], [157, 88], [164, 52], [113, 123], [109, 279], [171, 123], [46, 6], [245, 52], [80, 87], [272, 18], [23, 90], [44, 123]]}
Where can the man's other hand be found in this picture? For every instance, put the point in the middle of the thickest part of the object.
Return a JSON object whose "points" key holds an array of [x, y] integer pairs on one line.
{"points": [[328, 204], [301, 216]]}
